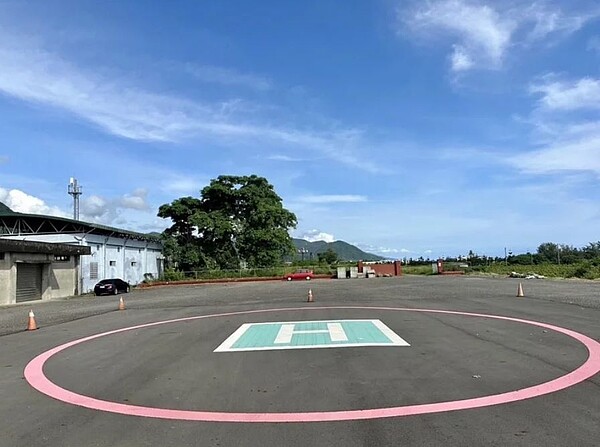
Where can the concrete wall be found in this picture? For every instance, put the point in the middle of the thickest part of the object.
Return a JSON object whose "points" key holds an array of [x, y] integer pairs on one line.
{"points": [[59, 278], [63, 277], [392, 268], [8, 280]]}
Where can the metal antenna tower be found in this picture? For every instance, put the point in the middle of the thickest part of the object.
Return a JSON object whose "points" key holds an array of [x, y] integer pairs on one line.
{"points": [[75, 191]]}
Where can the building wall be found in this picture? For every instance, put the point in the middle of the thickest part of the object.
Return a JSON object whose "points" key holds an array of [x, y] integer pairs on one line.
{"points": [[110, 257], [59, 278], [8, 280], [394, 268], [63, 276]]}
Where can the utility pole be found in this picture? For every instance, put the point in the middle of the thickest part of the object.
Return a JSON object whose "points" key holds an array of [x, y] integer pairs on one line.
{"points": [[75, 190]]}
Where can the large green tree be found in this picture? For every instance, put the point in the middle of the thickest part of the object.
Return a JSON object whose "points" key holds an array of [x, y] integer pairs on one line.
{"points": [[236, 219]]}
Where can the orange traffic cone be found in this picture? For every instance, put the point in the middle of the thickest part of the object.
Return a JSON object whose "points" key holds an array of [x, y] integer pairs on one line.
{"points": [[520, 290], [310, 296], [121, 304], [31, 325]]}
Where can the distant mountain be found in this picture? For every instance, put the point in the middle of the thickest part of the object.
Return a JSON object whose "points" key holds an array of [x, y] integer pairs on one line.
{"points": [[4, 210], [344, 250]]}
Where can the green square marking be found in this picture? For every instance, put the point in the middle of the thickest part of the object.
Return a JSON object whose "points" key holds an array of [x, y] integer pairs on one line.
{"points": [[310, 334]]}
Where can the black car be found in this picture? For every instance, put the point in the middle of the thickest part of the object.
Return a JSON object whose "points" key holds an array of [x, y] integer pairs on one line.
{"points": [[111, 287]]}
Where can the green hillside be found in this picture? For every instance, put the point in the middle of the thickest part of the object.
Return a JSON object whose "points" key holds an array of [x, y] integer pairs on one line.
{"points": [[344, 250], [5, 210]]}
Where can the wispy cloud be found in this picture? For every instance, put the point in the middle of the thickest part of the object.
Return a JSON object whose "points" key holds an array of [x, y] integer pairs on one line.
{"points": [[120, 108], [594, 44], [568, 141], [287, 158], [485, 32], [579, 154], [35, 75], [228, 76], [582, 93], [333, 198], [184, 185]]}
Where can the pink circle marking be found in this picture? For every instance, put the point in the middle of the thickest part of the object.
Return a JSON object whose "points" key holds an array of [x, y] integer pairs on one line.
{"points": [[35, 376]]}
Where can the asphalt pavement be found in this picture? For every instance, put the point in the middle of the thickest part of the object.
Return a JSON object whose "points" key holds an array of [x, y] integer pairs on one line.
{"points": [[171, 368]]}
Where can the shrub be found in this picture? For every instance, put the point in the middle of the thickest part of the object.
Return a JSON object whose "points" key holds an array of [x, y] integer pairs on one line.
{"points": [[172, 275]]}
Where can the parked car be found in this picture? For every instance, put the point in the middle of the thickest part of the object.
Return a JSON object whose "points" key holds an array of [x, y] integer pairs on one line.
{"points": [[111, 287], [300, 274]]}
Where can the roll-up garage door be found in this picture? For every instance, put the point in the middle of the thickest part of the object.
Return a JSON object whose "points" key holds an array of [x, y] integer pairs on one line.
{"points": [[29, 282]]}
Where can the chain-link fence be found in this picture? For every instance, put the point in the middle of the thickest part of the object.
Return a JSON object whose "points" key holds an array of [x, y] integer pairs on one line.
{"points": [[176, 275]]}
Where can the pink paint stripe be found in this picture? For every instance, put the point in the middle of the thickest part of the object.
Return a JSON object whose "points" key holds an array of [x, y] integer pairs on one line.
{"points": [[37, 379]]}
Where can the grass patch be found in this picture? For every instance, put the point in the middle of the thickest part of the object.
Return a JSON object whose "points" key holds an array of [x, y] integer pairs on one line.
{"points": [[584, 270]]}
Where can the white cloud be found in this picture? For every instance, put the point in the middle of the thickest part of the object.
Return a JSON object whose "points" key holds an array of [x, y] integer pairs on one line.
{"points": [[548, 20], [333, 198], [568, 95], [568, 143], [460, 59], [577, 155], [99, 209], [484, 33], [227, 76], [281, 157], [316, 235], [135, 201], [123, 109], [94, 206], [22, 202]]}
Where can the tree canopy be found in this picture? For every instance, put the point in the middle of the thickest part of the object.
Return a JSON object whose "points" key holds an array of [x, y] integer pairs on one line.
{"points": [[236, 220], [329, 256]]}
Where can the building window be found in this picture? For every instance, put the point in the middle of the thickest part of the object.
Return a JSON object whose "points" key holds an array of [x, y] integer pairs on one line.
{"points": [[133, 263], [62, 258], [93, 270], [112, 263]]}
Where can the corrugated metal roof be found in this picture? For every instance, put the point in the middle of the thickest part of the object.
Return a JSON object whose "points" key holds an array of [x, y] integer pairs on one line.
{"points": [[16, 246], [7, 213]]}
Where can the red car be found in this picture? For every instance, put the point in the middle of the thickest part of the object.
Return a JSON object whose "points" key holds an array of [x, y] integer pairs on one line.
{"points": [[300, 274]]}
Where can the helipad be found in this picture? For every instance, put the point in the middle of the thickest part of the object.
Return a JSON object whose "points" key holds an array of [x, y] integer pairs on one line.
{"points": [[310, 334]]}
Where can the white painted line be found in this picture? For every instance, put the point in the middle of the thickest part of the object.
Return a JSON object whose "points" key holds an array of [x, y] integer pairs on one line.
{"points": [[336, 332], [394, 338], [285, 334], [230, 341], [329, 345], [312, 321]]}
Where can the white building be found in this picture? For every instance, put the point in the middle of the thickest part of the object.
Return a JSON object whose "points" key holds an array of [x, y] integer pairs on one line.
{"points": [[115, 253]]}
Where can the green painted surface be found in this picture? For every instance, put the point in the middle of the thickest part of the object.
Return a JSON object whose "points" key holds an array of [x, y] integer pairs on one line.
{"points": [[264, 335], [258, 336]]}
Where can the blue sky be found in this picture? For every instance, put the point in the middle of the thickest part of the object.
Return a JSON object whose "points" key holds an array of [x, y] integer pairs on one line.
{"points": [[425, 128]]}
